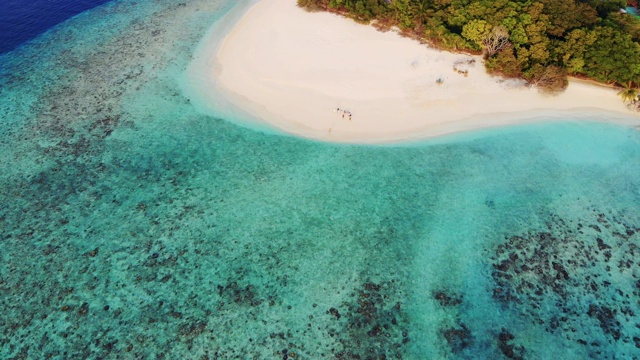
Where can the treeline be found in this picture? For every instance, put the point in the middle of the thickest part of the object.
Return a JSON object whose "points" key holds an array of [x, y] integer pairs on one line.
{"points": [[542, 41]]}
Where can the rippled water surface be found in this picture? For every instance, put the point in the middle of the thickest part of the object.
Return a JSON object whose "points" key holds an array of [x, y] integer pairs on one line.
{"points": [[135, 227]]}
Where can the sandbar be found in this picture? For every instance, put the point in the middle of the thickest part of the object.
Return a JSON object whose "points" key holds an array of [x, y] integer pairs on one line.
{"points": [[322, 76]]}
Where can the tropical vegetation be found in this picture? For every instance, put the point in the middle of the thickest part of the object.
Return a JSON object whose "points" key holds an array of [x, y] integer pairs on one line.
{"points": [[542, 41]]}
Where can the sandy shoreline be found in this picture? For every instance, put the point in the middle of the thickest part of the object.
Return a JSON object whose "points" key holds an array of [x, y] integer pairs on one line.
{"points": [[293, 70]]}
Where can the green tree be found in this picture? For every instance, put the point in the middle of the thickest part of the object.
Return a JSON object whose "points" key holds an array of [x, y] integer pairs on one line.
{"points": [[565, 15], [504, 63], [571, 51], [403, 11], [628, 93], [614, 57], [475, 31], [518, 36], [550, 79], [627, 24]]}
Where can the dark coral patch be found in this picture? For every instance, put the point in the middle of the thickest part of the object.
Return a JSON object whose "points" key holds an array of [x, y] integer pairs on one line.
{"points": [[373, 326], [548, 276]]}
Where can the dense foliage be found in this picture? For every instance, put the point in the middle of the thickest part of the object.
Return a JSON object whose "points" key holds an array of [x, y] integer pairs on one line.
{"points": [[542, 41]]}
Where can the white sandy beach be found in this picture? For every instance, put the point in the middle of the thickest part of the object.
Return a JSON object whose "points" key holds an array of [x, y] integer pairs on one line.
{"points": [[293, 69]]}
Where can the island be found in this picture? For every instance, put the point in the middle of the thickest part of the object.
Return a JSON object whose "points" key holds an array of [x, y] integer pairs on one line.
{"points": [[321, 76]]}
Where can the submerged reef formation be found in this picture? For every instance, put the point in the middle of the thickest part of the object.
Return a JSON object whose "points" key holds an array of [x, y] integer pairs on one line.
{"points": [[577, 278], [458, 337], [137, 228], [460, 341], [373, 328]]}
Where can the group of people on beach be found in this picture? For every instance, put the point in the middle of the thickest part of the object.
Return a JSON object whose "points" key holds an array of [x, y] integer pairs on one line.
{"points": [[344, 112]]}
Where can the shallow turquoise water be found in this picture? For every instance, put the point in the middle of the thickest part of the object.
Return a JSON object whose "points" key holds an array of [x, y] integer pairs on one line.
{"points": [[135, 227]]}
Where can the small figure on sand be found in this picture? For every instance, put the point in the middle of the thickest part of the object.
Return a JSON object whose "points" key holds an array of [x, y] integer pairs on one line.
{"points": [[343, 112]]}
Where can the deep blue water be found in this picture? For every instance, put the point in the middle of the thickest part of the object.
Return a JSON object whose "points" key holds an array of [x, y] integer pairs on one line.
{"points": [[23, 20]]}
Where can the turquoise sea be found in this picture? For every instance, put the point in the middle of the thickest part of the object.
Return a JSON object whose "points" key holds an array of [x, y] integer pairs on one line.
{"points": [[133, 226]]}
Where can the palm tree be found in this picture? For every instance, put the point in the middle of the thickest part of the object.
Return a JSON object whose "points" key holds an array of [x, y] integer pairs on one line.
{"points": [[420, 12], [628, 93]]}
